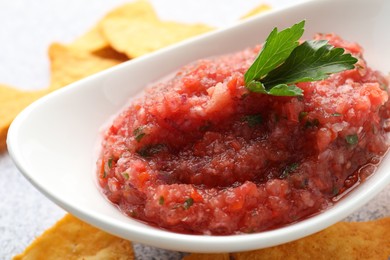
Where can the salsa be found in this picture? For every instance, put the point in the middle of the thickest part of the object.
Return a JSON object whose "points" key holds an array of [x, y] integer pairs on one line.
{"points": [[201, 154]]}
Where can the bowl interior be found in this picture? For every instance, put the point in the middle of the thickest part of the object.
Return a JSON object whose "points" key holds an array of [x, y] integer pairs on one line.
{"points": [[54, 141]]}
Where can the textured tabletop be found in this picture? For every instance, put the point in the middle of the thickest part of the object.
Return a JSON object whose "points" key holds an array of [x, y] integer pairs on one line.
{"points": [[27, 29]]}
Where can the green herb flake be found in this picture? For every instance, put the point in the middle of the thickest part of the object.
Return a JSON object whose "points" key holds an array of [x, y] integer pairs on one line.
{"points": [[188, 203], [125, 175], [336, 114], [138, 133], [352, 139], [161, 200], [150, 150], [302, 115], [253, 120], [104, 174], [335, 191], [312, 123], [289, 169], [109, 163], [282, 63]]}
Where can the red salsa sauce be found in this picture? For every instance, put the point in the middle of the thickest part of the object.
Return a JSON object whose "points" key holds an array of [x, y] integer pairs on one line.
{"points": [[201, 154]]}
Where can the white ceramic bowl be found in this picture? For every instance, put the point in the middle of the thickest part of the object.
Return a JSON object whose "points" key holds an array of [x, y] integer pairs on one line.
{"points": [[53, 141]]}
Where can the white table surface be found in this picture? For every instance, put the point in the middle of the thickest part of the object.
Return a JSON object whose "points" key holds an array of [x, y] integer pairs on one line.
{"points": [[26, 30]]}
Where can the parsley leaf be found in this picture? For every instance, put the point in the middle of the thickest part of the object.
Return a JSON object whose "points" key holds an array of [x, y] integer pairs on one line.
{"points": [[309, 61], [276, 49]]}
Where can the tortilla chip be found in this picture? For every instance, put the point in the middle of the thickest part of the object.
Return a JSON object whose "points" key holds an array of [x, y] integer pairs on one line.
{"points": [[344, 240], [255, 11], [110, 53], [3, 137], [12, 102], [70, 64], [134, 29], [67, 66], [91, 41], [72, 239], [136, 9]]}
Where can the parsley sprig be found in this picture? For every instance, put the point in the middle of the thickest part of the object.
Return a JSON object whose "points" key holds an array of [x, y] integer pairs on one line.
{"points": [[283, 62]]}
